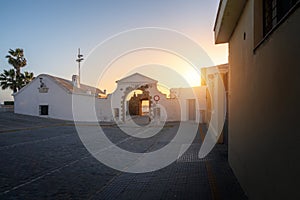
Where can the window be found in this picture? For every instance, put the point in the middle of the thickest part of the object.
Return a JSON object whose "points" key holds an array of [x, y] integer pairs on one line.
{"points": [[44, 109], [274, 11]]}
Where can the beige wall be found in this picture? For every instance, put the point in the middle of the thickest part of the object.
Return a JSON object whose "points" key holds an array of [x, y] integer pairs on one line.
{"points": [[264, 105], [216, 79]]}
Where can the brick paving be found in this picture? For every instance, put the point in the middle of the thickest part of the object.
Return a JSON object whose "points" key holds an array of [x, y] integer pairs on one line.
{"points": [[45, 159]]}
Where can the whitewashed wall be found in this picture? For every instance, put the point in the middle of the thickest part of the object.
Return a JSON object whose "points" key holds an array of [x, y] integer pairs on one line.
{"points": [[104, 109], [119, 95], [184, 95], [85, 107], [28, 99], [62, 104]]}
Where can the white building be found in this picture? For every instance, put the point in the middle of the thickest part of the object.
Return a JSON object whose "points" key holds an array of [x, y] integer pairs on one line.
{"points": [[50, 96], [192, 102], [53, 97]]}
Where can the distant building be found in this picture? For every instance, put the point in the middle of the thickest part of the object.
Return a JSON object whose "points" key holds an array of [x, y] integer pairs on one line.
{"points": [[192, 102], [215, 96], [264, 46], [8, 106]]}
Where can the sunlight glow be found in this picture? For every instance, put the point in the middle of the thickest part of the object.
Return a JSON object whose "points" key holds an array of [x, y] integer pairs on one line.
{"points": [[168, 69]]}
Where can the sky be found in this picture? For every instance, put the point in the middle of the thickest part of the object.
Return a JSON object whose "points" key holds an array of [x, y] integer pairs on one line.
{"points": [[51, 31]]}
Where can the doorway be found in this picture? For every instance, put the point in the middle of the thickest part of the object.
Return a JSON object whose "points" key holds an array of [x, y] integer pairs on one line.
{"points": [[192, 109], [145, 107]]}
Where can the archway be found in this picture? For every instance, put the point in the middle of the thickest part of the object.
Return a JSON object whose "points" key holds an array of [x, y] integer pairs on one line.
{"points": [[126, 104], [139, 103]]}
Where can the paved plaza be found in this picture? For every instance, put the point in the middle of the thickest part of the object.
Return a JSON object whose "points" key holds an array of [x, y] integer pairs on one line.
{"points": [[45, 159]]}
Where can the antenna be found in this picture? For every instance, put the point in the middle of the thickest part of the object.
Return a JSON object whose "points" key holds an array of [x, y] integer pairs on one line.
{"points": [[79, 59]]}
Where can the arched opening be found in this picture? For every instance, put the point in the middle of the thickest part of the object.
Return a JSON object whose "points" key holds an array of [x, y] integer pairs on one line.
{"points": [[138, 103], [133, 103]]}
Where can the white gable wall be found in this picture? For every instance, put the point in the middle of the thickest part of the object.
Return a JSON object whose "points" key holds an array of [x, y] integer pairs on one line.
{"points": [[60, 102], [27, 100], [136, 78]]}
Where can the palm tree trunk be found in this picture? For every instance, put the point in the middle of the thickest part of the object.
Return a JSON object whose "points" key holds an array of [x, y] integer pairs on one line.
{"points": [[18, 70]]}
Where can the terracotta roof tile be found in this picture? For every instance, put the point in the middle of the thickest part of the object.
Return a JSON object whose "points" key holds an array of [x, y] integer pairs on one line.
{"points": [[68, 85]]}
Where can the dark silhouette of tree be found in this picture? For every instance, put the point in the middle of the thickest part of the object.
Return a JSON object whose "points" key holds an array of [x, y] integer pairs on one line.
{"points": [[8, 80], [17, 60], [13, 78], [26, 77]]}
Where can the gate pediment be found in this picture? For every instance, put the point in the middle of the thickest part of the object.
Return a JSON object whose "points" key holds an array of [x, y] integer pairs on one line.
{"points": [[136, 78]]}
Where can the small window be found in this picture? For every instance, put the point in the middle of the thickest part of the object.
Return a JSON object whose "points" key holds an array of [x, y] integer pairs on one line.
{"points": [[274, 11], [44, 109]]}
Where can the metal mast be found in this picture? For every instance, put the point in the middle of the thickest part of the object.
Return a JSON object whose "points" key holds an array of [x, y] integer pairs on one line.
{"points": [[79, 59]]}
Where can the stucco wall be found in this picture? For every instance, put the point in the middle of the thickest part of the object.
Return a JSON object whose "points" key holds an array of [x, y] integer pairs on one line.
{"points": [[85, 107], [264, 107], [104, 109], [62, 105], [170, 108], [59, 101], [184, 95]]}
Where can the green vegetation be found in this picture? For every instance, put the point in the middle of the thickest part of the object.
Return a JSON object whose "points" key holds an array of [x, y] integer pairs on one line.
{"points": [[13, 78]]}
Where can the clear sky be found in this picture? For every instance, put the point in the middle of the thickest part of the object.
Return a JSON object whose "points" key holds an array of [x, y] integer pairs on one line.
{"points": [[50, 31]]}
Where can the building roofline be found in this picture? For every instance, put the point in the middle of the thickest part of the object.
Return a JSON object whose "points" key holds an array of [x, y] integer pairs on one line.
{"points": [[128, 77], [228, 15], [218, 13], [56, 79]]}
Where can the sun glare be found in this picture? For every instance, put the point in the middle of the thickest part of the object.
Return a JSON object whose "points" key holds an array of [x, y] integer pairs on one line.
{"points": [[192, 77], [169, 70]]}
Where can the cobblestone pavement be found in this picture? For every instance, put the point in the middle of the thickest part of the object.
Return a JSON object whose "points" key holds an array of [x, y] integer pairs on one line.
{"points": [[45, 159]]}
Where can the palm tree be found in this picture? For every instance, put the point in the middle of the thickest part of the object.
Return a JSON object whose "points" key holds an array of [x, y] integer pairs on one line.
{"points": [[27, 77], [13, 78], [8, 80], [17, 60]]}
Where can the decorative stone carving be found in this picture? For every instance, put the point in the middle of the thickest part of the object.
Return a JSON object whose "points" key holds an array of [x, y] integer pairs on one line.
{"points": [[43, 88]]}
